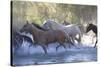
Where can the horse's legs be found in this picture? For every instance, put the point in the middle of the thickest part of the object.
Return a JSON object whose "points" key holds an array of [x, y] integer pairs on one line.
{"points": [[57, 47], [70, 39], [95, 44], [44, 48], [71, 42], [60, 45], [79, 38]]}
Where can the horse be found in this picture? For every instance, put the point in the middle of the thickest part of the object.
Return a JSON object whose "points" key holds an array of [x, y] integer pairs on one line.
{"points": [[43, 38], [93, 28], [17, 39], [68, 40], [72, 30]]}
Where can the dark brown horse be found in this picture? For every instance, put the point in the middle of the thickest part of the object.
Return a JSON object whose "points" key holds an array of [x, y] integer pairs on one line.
{"points": [[43, 38], [93, 28]]}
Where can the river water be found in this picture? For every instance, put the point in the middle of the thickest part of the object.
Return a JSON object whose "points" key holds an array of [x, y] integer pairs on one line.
{"points": [[34, 55]]}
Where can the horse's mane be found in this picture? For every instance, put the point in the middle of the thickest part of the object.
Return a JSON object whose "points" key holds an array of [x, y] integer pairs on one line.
{"points": [[92, 27], [92, 24], [39, 27]]}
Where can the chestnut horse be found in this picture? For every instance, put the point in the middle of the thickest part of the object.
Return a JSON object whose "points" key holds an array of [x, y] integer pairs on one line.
{"points": [[43, 38]]}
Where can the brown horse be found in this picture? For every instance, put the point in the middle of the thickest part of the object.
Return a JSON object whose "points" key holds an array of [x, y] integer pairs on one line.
{"points": [[43, 38], [68, 40]]}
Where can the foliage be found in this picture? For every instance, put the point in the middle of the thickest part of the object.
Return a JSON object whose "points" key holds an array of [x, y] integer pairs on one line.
{"points": [[39, 11]]}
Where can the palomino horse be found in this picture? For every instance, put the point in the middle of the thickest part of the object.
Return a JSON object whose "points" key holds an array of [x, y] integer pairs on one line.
{"points": [[72, 30], [43, 38], [93, 28]]}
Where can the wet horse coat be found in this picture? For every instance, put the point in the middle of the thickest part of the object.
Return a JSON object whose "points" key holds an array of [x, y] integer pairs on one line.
{"points": [[43, 38]]}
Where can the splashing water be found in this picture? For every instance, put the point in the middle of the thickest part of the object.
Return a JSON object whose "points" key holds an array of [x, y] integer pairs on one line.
{"points": [[26, 55]]}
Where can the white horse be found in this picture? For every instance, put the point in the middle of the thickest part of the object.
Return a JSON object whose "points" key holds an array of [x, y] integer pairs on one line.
{"points": [[72, 30]]}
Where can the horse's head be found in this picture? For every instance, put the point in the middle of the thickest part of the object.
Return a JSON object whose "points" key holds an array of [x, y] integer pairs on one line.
{"points": [[89, 27], [26, 28]]}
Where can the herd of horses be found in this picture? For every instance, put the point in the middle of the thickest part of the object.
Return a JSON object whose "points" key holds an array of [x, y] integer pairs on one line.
{"points": [[50, 32]]}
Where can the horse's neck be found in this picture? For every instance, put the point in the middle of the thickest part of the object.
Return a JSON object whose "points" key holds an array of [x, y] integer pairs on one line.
{"points": [[94, 29], [35, 31]]}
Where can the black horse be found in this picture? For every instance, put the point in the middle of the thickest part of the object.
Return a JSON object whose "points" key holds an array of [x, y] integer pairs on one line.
{"points": [[93, 28]]}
